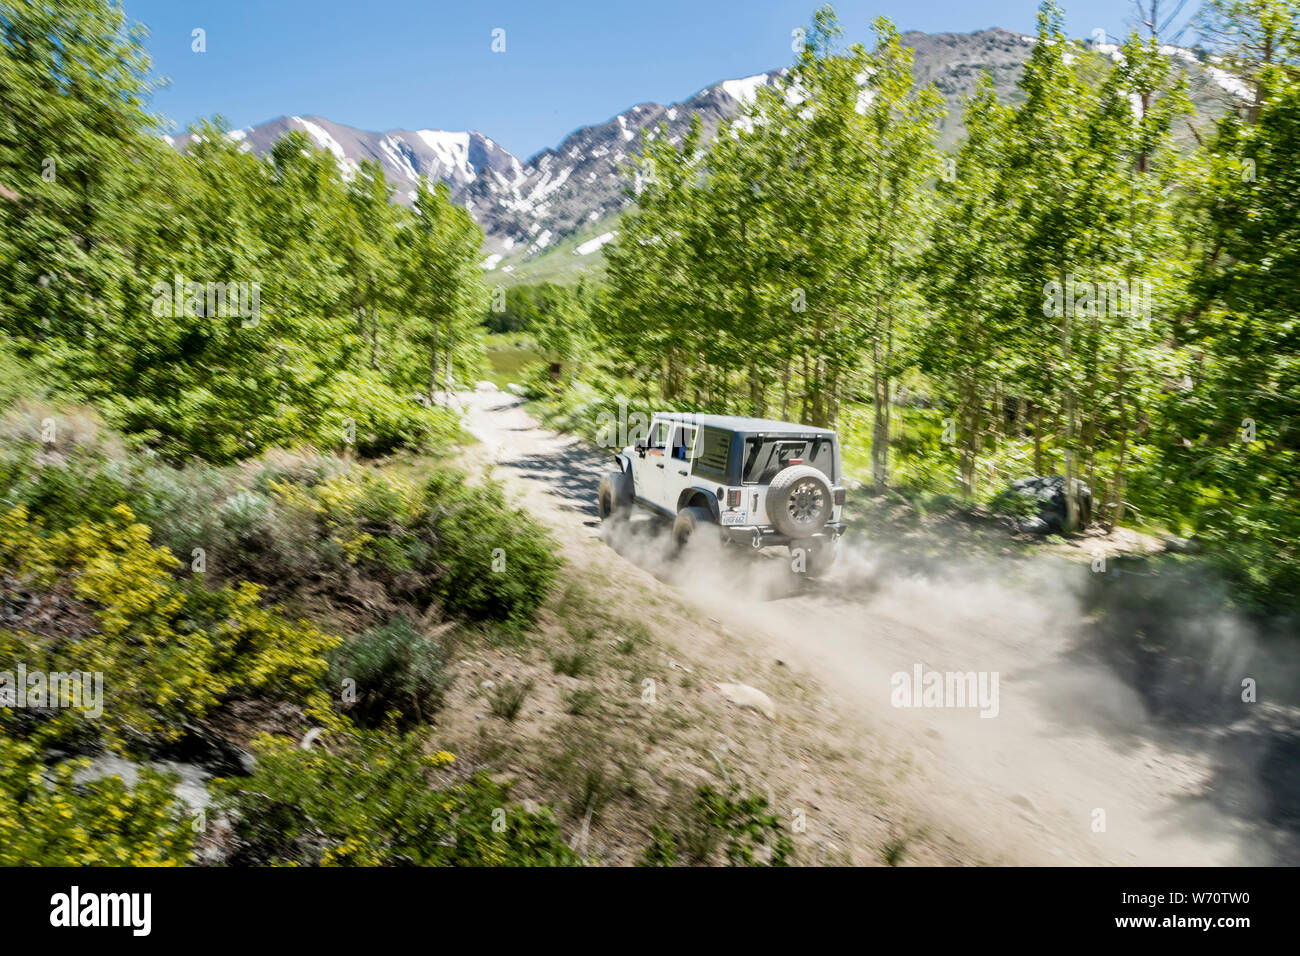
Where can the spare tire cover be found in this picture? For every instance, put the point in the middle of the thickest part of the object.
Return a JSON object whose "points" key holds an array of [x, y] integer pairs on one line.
{"points": [[799, 501]]}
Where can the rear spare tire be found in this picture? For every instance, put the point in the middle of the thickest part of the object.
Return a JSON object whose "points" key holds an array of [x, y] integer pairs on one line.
{"points": [[799, 501]]}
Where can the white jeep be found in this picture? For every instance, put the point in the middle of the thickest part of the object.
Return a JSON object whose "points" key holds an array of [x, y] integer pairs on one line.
{"points": [[749, 481]]}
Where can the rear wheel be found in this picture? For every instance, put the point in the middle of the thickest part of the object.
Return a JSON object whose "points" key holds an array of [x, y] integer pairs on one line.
{"points": [[692, 528], [614, 499]]}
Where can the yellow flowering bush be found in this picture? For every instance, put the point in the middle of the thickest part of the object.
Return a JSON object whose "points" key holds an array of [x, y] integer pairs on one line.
{"points": [[47, 820], [169, 650], [365, 799]]}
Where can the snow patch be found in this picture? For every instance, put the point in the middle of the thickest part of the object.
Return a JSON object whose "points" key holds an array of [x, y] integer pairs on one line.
{"points": [[450, 149], [1227, 81], [744, 91], [591, 245], [321, 137]]}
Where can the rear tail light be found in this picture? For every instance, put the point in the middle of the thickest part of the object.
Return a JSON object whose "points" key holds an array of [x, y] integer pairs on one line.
{"points": [[839, 496], [733, 499], [795, 461]]}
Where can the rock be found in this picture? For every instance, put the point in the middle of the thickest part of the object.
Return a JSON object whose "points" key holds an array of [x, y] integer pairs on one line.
{"points": [[485, 387], [752, 697], [1033, 526], [515, 389], [1048, 495], [1182, 545], [207, 749]]}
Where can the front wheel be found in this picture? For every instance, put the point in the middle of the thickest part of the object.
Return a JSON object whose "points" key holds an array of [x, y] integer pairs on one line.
{"points": [[614, 499]]}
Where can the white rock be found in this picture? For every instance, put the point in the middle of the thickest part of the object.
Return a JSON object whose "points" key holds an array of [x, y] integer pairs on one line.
{"points": [[747, 696]]}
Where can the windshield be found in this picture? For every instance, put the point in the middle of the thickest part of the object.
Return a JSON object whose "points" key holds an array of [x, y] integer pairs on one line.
{"points": [[764, 457]]}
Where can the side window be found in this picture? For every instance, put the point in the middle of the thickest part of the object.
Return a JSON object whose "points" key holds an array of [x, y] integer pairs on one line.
{"points": [[713, 455], [659, 435], [683, 439]]}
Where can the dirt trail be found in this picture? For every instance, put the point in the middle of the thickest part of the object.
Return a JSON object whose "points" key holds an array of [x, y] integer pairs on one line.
{"points": [[1069, 770]]}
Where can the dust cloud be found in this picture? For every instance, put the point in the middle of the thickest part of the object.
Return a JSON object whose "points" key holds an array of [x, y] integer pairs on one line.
{"points": [[1121, 734]]}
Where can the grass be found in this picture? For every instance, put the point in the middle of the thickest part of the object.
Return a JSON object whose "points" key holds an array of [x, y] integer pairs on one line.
{"points": [[508, 699], [893, 851], [558, 263], [510, 357], [581, 702], [574, 663]]}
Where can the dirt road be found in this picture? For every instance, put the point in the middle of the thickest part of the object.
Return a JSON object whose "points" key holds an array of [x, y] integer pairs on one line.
{"points": [[1061, 763]]}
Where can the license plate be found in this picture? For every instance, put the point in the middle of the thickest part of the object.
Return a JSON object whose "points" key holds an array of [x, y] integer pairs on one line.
{"points": [[733, 517]]}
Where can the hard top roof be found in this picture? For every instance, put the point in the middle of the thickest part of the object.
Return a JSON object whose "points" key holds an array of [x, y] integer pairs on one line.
{"points": [[737, 423]]}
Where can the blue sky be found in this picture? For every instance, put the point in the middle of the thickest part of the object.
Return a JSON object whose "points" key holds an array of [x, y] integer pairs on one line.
{"points": [[418, 64]]}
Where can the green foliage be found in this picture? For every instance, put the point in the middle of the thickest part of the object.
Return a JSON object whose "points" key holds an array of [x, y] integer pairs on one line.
{"points": [[294, 521], [169, 650], [296, 319], [1230, 459], [508, 698], [443, 285], [736, 825], [367, 415], [366, 799], [48, 819], [473, 522], [526, 308], [780, 254], [574, 662], [397, 674]]}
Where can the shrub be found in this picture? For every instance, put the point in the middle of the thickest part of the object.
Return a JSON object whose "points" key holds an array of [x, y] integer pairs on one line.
{"points": [[508, 699], [581, 702], [48, 820], [366, 414], [741, 825], [364, 799], [573, 663], [399, 674], [99, 598], [433, 542], [473, 522]]}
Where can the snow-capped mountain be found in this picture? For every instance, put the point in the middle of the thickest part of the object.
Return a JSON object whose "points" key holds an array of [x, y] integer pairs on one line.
{"points": [[455, 157], [525, 207]]}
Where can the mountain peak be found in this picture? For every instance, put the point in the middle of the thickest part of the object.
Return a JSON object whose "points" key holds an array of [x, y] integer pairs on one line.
{"points": [[526, 207]]}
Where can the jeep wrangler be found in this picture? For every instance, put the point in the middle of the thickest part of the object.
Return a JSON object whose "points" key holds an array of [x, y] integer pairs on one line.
{"points": [[747, 481]]}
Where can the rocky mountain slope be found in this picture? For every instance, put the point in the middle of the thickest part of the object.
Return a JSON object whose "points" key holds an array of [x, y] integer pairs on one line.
{"points": [[574, 190]]}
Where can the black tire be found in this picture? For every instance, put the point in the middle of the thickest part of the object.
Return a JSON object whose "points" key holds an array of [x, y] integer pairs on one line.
{"points": [[614, 499], [799, 501], [686, 526]]}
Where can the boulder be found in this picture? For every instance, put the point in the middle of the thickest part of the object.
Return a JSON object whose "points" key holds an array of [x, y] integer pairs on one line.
{"points": [[1047, 493]]}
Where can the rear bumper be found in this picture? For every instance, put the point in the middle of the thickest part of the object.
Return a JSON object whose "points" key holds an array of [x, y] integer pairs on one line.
{"points": [[757, 537]]}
